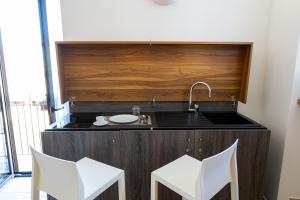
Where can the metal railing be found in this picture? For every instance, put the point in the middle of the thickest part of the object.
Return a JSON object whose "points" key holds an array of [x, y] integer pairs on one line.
{"points": [[28, 120]]}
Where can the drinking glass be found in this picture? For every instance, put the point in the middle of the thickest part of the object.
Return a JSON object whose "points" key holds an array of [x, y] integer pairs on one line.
{"points": [[136, 110]]}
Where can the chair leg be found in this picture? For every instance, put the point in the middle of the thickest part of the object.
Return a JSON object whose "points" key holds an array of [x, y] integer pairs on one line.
{"points": [[154, 189], [234, 185], [35, 192], [121, 187], [35, 195], [234, 191]]}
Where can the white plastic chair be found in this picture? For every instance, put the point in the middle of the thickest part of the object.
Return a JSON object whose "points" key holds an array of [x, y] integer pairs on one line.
{"points": [[66, 180], [196, 180]]}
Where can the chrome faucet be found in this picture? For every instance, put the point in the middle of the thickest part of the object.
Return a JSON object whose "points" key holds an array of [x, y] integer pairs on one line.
{"points": [[191, 94]]}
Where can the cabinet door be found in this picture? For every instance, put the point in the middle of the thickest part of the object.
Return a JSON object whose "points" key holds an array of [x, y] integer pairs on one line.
{"points": [[168, 145], [103, 146], [144, 151], [251, 156], [136, 152]]}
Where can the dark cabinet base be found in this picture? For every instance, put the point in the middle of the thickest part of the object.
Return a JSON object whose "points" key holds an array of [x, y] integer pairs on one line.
{"points": [[139, 152], [144, 151], [102, 146], [251, 156]]}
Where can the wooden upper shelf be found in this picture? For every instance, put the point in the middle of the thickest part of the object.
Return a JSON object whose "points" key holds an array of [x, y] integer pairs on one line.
{"points": [[140, 71]]}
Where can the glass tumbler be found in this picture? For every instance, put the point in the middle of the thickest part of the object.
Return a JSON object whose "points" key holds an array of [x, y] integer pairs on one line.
{"points": [[136, 110]]}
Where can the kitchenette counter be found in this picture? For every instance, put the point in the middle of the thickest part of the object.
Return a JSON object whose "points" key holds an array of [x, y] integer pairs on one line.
{"points": [[160, 121]]}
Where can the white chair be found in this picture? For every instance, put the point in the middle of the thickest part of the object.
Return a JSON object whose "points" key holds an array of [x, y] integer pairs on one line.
{"points": [[66, 180], [196, 180]]}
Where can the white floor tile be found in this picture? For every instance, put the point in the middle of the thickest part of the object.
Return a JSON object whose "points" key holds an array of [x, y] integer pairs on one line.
{"points": [[18, 189], [18, 196]]}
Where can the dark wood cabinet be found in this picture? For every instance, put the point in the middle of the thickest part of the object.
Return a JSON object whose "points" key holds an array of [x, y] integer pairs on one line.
{"points": [[103, 146], [251, 156], [168, 145], [135, 160], [144, 151], [139, 152]]}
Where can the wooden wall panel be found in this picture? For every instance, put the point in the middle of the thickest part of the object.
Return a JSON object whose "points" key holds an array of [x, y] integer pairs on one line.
{"points": [[137, 71]]}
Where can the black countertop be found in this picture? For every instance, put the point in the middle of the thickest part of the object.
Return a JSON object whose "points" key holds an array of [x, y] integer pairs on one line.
{"points": [[160, 121]]}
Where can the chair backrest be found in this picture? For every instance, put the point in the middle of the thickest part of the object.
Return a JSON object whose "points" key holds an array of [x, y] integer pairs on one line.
{"points": [[216, 172], [58, 178]]}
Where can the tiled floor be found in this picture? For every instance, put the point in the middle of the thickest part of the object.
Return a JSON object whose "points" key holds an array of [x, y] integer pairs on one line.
{"points": [[18, 189]]}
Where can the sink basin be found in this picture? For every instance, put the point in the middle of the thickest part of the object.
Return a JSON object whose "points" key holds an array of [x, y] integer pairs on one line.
{"points": [[226, 118], [180, 119]]}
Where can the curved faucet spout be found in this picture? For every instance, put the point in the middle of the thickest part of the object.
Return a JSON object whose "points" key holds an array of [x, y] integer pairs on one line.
{"points": [[191, 92]]}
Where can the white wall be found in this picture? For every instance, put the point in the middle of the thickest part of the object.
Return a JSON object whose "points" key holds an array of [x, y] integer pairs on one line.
{"points": [[193, 20], [282, 52], [290, 176]]}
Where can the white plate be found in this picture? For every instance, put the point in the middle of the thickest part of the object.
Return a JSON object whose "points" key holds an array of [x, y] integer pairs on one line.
{"points": [[97, 123], [123, 119]]}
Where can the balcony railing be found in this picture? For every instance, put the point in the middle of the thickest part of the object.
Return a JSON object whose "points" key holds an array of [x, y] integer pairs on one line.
{"points": [[29, 119]]}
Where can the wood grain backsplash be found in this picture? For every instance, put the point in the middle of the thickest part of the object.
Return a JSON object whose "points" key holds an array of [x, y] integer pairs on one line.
{"points": [[138, 71]]}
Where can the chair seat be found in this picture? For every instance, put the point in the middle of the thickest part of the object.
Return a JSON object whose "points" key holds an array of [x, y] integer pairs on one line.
{"points": [[180, 175], [96, 176]]}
